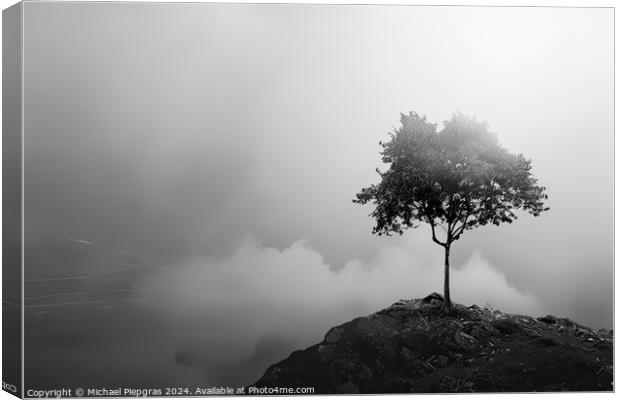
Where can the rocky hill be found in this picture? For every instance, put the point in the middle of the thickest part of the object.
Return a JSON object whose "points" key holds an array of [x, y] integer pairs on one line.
{"points": [[412, 347]]}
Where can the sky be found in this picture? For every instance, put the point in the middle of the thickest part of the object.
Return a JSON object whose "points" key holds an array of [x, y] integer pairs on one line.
{"points": [[228, 141]]}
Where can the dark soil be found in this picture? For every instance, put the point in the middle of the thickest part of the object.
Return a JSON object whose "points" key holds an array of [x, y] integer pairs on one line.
{"points": [[413, 347]]}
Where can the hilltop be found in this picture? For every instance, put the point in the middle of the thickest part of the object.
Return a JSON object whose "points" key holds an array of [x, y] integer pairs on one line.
{"points": [[412, 347]]}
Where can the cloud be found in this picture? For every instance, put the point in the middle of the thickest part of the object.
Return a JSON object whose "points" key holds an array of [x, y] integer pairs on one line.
{"points": [[230, 304], [478, 282], [181, 146]]}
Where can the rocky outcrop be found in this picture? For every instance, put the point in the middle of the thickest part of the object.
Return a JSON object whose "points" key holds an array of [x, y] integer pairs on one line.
{"points": [[412, 347]]}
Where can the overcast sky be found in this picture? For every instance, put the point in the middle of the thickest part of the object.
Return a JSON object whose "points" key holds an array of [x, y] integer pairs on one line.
{"points": [[236, 136]]}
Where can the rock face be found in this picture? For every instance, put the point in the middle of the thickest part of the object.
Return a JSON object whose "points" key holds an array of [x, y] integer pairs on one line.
{"points": [[412, 347]]}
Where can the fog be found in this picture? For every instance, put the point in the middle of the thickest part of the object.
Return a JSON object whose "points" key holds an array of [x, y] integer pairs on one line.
{"points": [[232, 139]]}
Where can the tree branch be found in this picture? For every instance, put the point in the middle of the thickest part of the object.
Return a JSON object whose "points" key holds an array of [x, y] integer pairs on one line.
{"points": [[461, 228], [432, 223]]}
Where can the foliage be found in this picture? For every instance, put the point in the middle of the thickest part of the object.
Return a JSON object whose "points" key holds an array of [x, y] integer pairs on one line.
{"points": [[458, 178]]}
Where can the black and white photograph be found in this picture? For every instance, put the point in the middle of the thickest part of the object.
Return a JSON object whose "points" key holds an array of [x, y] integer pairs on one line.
{"points": [[306, 199]]}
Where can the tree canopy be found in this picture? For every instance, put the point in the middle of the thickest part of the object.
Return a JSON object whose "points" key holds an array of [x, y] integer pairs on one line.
{"points": [[458, 178]]}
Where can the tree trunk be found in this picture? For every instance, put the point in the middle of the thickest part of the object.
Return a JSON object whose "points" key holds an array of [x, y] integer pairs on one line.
{"points": [[447, 304]]}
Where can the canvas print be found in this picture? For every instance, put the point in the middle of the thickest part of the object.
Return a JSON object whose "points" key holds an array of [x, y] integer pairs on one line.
{"points": [[300, 199]]}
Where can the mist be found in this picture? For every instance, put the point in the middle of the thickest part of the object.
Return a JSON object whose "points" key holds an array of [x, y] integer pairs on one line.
{"points": [[233, 301], [232, 139]]}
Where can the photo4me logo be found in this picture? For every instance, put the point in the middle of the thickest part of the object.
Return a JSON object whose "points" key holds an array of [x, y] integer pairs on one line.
{"points": [[8, 387]]}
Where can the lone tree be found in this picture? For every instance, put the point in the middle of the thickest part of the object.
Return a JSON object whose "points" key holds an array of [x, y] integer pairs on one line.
{"points": [[456, 179]]}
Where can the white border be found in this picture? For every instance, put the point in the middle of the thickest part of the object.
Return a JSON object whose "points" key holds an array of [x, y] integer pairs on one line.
{"points": [[499, 3]]}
